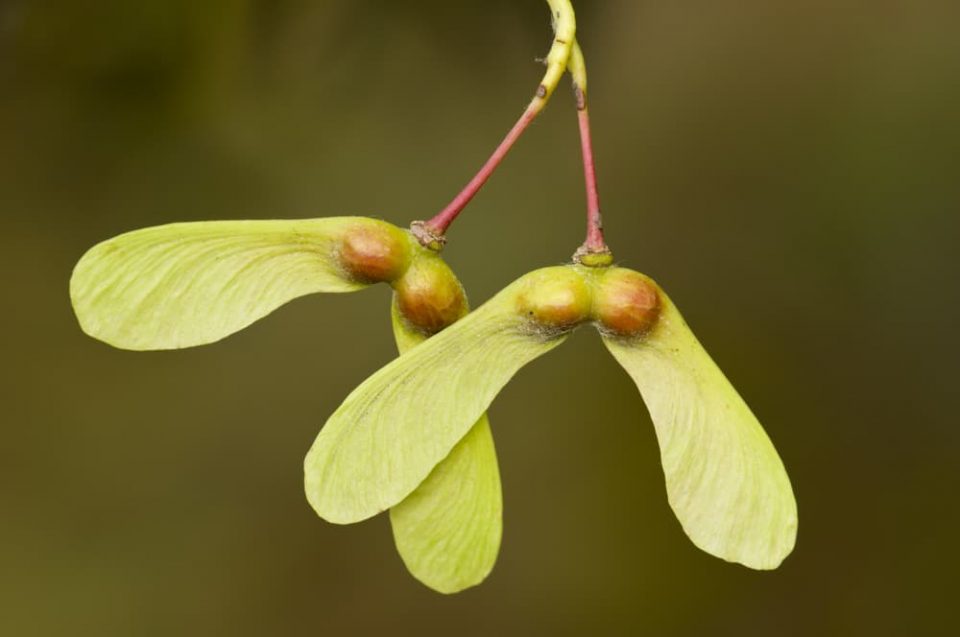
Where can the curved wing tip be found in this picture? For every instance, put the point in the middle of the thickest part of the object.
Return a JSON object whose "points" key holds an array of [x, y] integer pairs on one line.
{"points": [[139, 344], [754, 560], [336, 511], [748, 556], [98, 335], [453, 589], [771, 563], [331, 514], [448, 586]]}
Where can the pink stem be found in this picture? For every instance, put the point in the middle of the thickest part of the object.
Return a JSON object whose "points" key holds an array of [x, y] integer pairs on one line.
{"points": [[445, 217], [594, 242]]}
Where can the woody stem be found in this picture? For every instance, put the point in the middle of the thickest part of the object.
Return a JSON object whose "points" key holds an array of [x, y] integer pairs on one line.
{"points": [[431, 233], [442, 220], [594, 250], [594, 242]]}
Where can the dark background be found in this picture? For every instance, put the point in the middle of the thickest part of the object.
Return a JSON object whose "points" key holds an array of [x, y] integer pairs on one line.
{"points": [[787, 171]]}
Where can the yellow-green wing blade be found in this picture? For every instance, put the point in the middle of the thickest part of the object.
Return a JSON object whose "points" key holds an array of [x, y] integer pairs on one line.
{"points": [[725, 481], [391, 431], [187, 284], [448, 530]]}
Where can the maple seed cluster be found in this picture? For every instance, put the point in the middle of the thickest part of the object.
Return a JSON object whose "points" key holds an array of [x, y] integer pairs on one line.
{"points": [[428, 294], [621, 302], [414, 437], [430, 297]]}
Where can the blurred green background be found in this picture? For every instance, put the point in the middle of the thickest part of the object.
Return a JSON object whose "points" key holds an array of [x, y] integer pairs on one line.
{"points": [[787, 171]]}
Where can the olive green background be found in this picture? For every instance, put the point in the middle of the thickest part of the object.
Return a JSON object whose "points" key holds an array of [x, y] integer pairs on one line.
{"points": [[789, 172]]}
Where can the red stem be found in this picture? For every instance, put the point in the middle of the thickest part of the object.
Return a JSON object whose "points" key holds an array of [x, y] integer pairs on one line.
{"points": [[445, 217], [594, 242]]}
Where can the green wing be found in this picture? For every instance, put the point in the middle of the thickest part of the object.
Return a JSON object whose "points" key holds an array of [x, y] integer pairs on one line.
{"points": [[725, 481], [187, 284], [448, 530], [391, 431]]}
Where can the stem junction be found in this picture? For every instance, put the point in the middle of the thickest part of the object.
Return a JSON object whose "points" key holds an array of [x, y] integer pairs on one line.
{"points": [[432, 233], [594, 251], [565, 54]]}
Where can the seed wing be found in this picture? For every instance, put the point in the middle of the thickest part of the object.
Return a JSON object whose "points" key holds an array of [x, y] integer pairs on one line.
{"points": [[186, 284], [724, 479]]}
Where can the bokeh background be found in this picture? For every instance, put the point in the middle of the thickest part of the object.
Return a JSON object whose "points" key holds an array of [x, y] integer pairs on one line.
{"points": [[787, 171]]}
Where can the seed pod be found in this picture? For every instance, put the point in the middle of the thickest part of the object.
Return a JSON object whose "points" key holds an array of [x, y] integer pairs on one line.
{"points": [[626, 303], [375, 253], [555, 298], [428, 295]]}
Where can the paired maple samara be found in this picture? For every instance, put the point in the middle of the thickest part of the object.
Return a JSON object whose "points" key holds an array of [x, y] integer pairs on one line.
{"points": [[413, 438]]}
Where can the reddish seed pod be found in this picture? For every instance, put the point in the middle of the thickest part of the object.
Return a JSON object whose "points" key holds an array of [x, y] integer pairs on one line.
{"points": [[375, 252], [556, 299], [429, 296], [626, 303]]}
